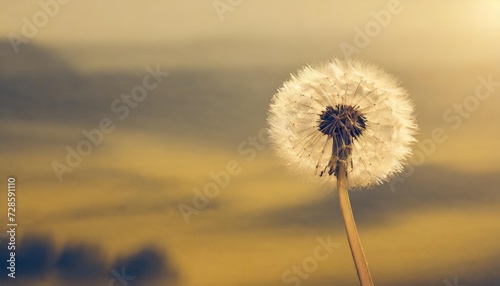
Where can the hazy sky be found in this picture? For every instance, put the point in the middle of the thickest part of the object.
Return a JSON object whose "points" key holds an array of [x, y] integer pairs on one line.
{"points": [[432, 225], [125, 21], [456, 30]]}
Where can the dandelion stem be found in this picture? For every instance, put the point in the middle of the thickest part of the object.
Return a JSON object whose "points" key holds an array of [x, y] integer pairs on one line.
{"points": [[358, 255]]}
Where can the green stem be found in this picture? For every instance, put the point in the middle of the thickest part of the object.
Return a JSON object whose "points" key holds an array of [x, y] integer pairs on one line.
{"points": [[358, 255]]}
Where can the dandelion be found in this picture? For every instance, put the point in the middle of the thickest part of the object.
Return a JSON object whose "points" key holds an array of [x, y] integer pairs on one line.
{"points": [[346, 123]]}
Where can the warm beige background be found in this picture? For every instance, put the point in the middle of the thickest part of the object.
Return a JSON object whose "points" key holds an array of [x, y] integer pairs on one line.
{"points": [[440, 223]]}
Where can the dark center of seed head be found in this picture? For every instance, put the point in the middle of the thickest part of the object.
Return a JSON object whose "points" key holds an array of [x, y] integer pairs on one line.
{"points": [[342, 123], [342, 120]]}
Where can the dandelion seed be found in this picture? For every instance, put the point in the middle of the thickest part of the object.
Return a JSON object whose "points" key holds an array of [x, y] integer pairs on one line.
{"points": [[345, 123], [362, 113]]}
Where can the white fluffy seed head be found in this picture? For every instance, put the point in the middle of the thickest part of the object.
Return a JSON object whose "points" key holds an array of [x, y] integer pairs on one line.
{"points": [[387, 126]]}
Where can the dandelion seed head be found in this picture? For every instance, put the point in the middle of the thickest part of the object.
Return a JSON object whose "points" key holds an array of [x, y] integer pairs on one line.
{"points": [[343, 111]]}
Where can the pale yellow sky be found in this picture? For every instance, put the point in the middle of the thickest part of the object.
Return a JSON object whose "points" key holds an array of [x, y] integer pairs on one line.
{"points": [[421, 33], [156, 20]]}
